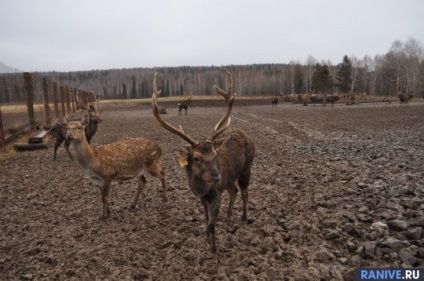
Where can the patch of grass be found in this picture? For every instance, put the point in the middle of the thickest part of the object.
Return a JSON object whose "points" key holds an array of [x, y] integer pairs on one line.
{"points": [[19, 108], [8, 151], [48, 138], [178, 99]]}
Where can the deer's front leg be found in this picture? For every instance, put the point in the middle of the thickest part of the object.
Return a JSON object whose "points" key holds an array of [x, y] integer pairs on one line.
{"points": [[232, 191], [212, 208], [105, 198], [141, 184], [67, 144], [205, 207], [56, 146]]}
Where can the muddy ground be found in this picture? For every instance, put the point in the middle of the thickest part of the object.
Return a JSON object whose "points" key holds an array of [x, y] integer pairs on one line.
{"points": [[333, 188]]}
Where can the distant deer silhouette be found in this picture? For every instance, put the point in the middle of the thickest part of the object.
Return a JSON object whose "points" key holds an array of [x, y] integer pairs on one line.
{"points": [[184, 105], [274, 102]]}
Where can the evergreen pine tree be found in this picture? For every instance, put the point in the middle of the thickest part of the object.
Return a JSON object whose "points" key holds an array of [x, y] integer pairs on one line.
{"points": [[298, 79], [344, 77], [181, 90], [167, 89], [321, 80], [124, 91], [133, 94], [105, 92], [144, 89], [115, 93]]}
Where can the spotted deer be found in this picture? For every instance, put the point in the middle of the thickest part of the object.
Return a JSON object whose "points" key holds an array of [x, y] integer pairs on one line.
{"points": [[215, 163], [120, 161]]}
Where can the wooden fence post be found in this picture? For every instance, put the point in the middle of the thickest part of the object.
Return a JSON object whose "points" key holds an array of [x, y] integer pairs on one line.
{"points": [[29, 89], [1, 133], [46, 103], [62, 101], [74, 92], [68, 102], [56, 100]]}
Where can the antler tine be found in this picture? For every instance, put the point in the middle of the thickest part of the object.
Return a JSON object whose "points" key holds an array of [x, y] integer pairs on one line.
{"points": [[96, 102], [77, 97], [226, 94], [179, 132], [229, 97]]}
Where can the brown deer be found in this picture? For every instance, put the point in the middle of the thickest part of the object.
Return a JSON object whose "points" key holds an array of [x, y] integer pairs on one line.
{"points": [[274, 102], [118, 161], [58, 131], [317, 98], [184, 105], [331, 99], [405, 97], [213, 165]]}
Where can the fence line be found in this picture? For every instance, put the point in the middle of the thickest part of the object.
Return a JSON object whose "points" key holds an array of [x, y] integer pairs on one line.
{"points": [[28, 101]]}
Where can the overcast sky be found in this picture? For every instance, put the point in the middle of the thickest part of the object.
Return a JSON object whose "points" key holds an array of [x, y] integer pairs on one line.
{"points": [[56, 35]]}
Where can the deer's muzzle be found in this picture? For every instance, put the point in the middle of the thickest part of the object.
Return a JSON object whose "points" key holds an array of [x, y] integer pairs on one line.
{"points": [[70, 136], [216, 177]]}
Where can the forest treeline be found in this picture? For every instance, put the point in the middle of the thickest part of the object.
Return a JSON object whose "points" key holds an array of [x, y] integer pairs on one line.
{"points": [[401, 69]]}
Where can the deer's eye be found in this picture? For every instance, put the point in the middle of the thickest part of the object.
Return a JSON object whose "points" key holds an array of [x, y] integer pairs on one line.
{"points": [[196, 159]]}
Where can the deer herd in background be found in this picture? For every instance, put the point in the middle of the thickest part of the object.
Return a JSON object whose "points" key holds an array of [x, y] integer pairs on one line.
{"points": [[323, 99], [212, 165]]}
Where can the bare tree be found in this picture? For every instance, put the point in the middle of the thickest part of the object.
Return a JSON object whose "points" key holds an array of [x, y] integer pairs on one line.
{"points": [[292, 72], [371, 77], [397, 56], [356, 67], [413, 51], [310, 67]]}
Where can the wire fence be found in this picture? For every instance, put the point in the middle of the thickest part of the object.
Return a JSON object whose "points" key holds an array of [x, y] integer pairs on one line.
{"points": [[30, 101]]}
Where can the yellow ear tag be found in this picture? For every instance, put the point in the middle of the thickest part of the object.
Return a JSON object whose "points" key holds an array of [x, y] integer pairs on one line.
{"points": [[183, 162]]}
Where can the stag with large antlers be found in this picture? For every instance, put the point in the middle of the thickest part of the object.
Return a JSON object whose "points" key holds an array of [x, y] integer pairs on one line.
{"points": [[120, 161], [215, 164], [59, 129]]}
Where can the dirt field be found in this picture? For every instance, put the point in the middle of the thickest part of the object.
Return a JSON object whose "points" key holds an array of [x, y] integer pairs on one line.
{"points": [[333, 188]]}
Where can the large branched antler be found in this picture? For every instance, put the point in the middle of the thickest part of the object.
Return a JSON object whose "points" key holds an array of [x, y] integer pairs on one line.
{"points": [[219, 128], [229, 98], [82, 103], [96, 103], [179, 132]]}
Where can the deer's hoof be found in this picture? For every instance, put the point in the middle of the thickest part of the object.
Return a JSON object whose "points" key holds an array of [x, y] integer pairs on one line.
{"points": [[208, 239], [248, 221], [213, 249], [106, 215], [228, 220]]}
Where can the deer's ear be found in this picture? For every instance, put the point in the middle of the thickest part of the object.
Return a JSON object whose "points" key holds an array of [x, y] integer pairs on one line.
{"points": [[220, 140], [183, 155], [63, 122], [85, 120]]}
